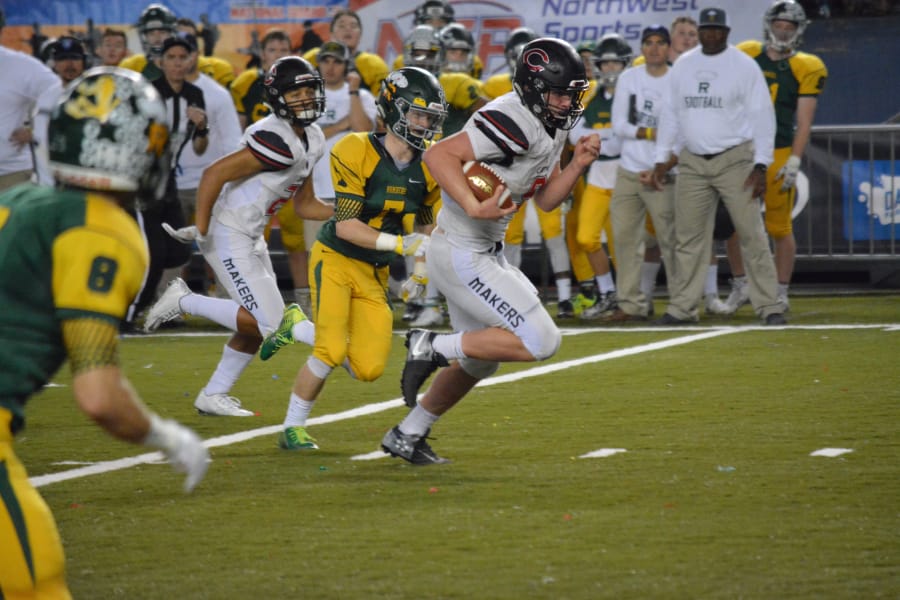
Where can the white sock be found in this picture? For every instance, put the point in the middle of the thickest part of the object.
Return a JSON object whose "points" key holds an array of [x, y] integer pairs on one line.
{"points": [[649, 271], [563, 288], [712, 280], [223, 311], [305, 332], [297, 412], [417, 422], [228, 371], [605, 283], [783, 289], [450, 345], [559, 253]]}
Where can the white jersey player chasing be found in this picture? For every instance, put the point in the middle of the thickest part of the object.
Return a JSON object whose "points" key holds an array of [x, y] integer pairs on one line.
{"points": [[237, 196], [495, 311]]}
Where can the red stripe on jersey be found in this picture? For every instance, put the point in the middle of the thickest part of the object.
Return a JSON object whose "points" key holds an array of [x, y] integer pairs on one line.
{"points": [[506, 126]]}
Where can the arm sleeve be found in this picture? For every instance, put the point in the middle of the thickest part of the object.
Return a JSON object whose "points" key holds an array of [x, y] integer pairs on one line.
{"points": [[761, 113], [667, 134], [99, 268], [346, 171]]}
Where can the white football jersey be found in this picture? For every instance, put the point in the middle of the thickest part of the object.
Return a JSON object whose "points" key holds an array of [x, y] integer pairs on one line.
{"points": [[513, 140], [248, 205]]}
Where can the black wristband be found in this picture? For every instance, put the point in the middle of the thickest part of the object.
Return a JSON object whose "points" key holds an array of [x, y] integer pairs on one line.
{"points": [[760, 167], [201, 132], [353, 92]]}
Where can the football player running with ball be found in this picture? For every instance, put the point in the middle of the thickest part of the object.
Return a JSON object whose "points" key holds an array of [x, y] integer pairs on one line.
{"points": [[495, 311], [72, 261]]}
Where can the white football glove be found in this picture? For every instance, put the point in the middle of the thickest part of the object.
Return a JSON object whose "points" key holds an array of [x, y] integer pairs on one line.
{"points": [[414, 288], [413, 244], [185, 235], [788, 173], [182, 448]]}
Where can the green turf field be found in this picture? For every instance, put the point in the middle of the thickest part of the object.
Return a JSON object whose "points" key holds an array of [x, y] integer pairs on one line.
{"points": [[716, 494]]}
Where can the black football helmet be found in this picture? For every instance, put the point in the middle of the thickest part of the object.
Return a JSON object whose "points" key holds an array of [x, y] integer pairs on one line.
{"points": [[545, 65], [288, 73], [612, 47], [785, 10], [155, 16], [412, 91], [515, 42], [109, 132], [433, 9], [456, 37]]}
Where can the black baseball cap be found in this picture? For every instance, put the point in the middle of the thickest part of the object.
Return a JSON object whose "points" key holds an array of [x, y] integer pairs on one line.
{"points": [[335, 49], [67, 47], [659, 30], [186, 40], [713, 17]]}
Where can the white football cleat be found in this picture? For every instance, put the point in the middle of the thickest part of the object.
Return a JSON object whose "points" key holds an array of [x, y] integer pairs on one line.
{"points": [[168, 306], [220, 405], [740, 294], [714, 306]]}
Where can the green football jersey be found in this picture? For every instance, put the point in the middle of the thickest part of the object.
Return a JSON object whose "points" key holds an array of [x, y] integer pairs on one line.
{"points": [[63, 255], [788, 79], [363, 171]]}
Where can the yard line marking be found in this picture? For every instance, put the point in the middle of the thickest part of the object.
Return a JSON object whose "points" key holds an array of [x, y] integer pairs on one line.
{"points": [[374, 455], [603, 453], [831, 452], [369, 409]]}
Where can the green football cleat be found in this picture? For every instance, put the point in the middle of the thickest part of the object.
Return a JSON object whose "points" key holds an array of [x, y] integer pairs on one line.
{"points": [[282, 336], [296, 438]]}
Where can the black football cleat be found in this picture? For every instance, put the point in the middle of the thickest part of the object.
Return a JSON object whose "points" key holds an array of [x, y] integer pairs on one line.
{"points": [[421, 362], [411, 448]]}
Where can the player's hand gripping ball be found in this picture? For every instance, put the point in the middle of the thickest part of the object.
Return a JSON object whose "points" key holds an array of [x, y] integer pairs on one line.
{"points": [[483, 181]]}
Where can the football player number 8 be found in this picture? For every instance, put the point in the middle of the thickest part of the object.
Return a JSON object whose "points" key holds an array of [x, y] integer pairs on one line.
{"points": [[103, 272]]}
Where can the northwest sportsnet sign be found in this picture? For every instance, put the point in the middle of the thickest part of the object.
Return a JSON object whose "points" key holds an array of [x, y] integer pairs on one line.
{"points": [[387, 22]]}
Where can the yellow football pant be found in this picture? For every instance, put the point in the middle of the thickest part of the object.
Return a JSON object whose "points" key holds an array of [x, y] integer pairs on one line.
{"points": [[353, 314], [588, 217], [778, 204], [550, 222], [31, 555]]}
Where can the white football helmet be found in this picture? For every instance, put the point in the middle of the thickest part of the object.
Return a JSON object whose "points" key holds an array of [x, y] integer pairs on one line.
{"points": [[785, 10]]}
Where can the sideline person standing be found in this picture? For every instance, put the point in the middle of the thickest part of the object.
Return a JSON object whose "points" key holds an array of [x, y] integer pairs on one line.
{"points": [[720, 105]]}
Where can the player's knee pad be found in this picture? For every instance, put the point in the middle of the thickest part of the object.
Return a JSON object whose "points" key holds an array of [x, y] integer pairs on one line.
{"points": [[366, 371], [479, 369], [540, 336], [588, 241], [318, 367], [779, 227]]}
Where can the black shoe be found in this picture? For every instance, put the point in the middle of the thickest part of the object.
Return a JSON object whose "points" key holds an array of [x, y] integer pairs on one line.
{"points": [[421, 362], [565, 310], [411, 448], [775, 319], [669, 320], [620, 316]]}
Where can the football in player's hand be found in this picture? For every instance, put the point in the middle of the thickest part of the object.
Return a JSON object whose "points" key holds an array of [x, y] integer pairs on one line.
{"points": [[483, 181]]}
